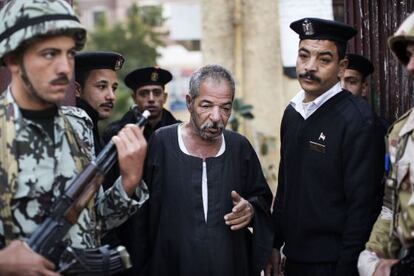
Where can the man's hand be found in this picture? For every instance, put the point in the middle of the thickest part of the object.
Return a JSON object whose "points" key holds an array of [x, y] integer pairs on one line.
{"points": [[384, 267], [19, 259], [274, 266], [242, 212], [132, 148]]}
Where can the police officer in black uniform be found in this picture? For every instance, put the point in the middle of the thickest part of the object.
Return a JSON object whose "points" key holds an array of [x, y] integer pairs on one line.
{"points": [[355, 76], [148, 92], [96, 83]]}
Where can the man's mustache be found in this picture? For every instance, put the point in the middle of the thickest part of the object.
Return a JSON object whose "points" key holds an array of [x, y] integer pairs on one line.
{"points": [[309, 75], [214, 125], [62, 80]]}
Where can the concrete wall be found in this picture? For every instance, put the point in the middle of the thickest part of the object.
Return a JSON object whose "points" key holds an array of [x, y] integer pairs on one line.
{"points": [[218, 32], [247, 43]]}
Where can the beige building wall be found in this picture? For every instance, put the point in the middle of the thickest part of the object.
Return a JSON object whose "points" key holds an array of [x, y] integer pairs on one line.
{"points": [[243, 36], [217, 43]]}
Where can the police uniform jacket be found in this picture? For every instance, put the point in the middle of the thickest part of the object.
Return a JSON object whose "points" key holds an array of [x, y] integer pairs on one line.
{"points": [[329, 183]]}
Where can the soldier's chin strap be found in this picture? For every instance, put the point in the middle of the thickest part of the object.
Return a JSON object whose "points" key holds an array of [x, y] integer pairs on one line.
{"points": [[26, 80]]}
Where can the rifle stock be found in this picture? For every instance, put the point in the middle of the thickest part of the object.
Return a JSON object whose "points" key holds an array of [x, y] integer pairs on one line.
{"points": [[47, 239], [90, 190]]}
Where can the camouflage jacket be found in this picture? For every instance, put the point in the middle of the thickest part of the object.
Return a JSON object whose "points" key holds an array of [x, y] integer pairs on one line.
{"points": [[394, 228], [45, 168]]}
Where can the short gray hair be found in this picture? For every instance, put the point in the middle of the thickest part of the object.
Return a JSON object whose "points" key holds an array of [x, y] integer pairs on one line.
{"points": [[215, 72]]}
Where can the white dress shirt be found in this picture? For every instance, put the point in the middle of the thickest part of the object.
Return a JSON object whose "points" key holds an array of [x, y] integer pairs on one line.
{"points": [[307, 109]]}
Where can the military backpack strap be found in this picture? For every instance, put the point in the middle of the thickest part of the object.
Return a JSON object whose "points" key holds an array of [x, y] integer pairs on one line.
{"points": [[8, 166]]}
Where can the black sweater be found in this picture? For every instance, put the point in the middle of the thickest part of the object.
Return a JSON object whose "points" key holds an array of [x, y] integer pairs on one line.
{"points": [[329, 186]]}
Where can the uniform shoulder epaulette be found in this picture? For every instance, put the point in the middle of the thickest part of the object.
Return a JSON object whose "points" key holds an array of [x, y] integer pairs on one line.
{"points": [[76, 113], [400, 121], [405, 115]]}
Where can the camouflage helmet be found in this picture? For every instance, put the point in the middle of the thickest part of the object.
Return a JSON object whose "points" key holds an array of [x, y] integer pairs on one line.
{"points": [[22, 20], [404, 35]]}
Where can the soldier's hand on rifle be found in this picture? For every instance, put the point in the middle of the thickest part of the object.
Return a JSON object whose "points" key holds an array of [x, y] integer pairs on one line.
{"points": [[19, 259], [131, 147]]}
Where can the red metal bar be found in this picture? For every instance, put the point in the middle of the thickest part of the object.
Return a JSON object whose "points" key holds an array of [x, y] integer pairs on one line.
{"points": [[376, 20]]}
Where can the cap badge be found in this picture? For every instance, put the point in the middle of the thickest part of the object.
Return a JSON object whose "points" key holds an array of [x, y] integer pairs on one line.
{"points": [[154, 76], [118, 64], [307, 27]]}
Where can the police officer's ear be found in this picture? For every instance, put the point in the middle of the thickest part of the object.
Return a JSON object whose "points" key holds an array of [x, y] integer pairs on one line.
{"points": [[77, 89], [364, 90], [165, 97], [341, 73], [343, 64], [133, 93]]}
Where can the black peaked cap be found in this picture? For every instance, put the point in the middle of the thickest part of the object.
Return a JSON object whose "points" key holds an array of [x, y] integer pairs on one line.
{"points": [[360, 63], [317, 28], [147, 76], [87, 61]]}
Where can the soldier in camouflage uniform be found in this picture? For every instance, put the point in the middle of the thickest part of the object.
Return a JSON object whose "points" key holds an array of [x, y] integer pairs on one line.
{"points": [[43, 146], [392, 236]]}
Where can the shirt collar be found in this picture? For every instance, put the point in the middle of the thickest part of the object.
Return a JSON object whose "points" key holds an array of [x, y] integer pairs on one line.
{"points": [[297, 101], [21, 123]]}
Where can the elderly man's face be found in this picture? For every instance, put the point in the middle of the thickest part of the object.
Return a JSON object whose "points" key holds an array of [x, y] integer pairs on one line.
{"points": [[211, 109], [318, 67]]}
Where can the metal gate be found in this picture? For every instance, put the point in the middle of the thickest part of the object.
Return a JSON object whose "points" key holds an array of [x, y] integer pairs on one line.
{"points": [[376, 20]]}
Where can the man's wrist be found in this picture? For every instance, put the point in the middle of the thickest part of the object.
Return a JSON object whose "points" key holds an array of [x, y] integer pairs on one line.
{"points": [[130, 185]]}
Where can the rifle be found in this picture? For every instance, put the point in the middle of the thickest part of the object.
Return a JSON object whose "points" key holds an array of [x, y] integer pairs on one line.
{"points": [[47, 239]]}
